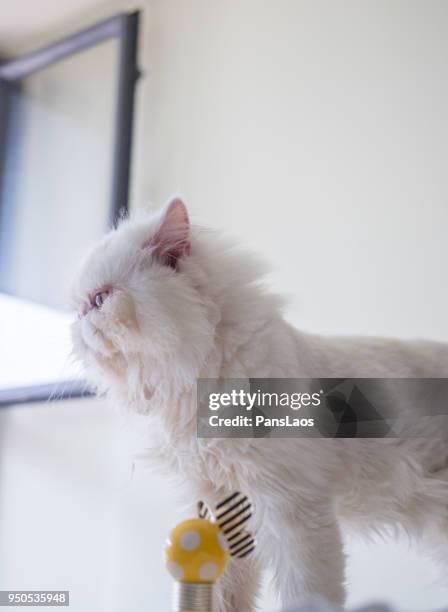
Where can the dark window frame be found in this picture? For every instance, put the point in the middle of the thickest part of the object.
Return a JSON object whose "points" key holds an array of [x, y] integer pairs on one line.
{"points": [[124, 27]]}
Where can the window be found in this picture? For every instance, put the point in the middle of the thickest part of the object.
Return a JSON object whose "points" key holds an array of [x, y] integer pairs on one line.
{"points": [[66, 114]]}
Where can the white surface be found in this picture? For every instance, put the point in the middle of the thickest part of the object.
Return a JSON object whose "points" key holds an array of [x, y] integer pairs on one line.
{"points": [[394, 571], [72, 514], [22, 19], [35, 344], [316, 132]]}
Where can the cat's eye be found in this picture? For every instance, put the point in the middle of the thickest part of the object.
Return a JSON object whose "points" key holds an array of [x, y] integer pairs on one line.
{"points": [[99, 299]]}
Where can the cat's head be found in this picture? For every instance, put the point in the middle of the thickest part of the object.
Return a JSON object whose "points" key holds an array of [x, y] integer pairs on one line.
{"points": [[143, 316]]}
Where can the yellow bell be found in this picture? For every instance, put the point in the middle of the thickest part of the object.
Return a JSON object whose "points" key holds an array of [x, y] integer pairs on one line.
{"points": [[196, 552]]}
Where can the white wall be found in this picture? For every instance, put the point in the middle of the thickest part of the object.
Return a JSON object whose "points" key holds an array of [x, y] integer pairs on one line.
{"points": [[75, 516], [315, 131]]}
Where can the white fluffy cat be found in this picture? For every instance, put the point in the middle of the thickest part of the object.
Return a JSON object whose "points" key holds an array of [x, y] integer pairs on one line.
{"points": [[162, 304]]}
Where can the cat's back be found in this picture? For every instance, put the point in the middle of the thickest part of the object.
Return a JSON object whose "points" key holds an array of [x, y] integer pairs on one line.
{"points": [[367, 357]]}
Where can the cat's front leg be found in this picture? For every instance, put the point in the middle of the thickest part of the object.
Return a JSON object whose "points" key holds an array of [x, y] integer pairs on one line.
{"points": [[238, 588], [308, 559]]}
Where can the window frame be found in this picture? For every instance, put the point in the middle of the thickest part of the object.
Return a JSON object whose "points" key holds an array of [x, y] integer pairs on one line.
{"points": [[124, 27]]}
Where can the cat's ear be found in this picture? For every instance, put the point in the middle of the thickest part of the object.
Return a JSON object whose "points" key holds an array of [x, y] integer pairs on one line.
{"points": [[171, 240]]}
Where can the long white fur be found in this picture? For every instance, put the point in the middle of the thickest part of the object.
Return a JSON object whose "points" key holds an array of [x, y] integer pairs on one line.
{"points": [[163, 326]]}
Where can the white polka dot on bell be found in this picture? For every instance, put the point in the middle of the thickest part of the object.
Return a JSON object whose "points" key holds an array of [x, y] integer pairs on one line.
{"points": [[223, 541], [208, 571], [175, 570], [190, 540]]}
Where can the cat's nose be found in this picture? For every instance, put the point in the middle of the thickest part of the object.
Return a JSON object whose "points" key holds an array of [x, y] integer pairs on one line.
{"points": [[82, 311]]}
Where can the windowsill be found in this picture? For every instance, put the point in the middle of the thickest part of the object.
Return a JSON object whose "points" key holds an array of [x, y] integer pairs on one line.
{"points": [[35, 347]]}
